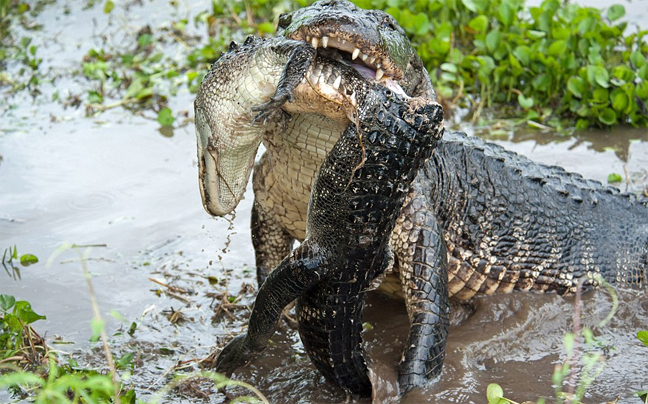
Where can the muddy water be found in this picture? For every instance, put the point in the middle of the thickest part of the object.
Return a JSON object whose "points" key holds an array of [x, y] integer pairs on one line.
{"points": [[117, 182]]}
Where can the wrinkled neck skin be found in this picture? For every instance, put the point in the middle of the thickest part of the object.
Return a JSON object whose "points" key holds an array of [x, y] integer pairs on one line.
{"points": [[253, 78]]}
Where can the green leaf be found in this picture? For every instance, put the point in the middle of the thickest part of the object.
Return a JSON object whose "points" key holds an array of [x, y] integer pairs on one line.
{"points": [[608, 116], [582, 124], [643, 395], [94, 97], [444, 91], [568, 342], [448, 77], [533, 34], [145, 40], [586, 25], [643, 337], [266, 27], [479, 23], [637, 59], [523, 54], [602, 78], [525, 102], [132, 329], [643, 72], [557, 48], [23, 310], [28, 259], [615, 12], [449, 67], [470, 5], [108, 7], [506, 13], [613, 178], [601, 96], [620, 101], [7, 302], [487, 66], [494, 393], [165, 117], [541, 82], [117, 315], [20, 378], [493, 40], [420, 24], [97, 326], [576, 86], [126, 361], [598, 75], [584, 111]]}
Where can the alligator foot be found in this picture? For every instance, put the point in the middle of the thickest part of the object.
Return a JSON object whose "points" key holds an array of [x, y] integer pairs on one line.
{"points": [[271, 111], [237, 352]]}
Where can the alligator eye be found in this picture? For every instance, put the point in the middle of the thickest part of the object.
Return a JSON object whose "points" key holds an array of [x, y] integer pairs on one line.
{"points": [[389, 23], [284, 20]]}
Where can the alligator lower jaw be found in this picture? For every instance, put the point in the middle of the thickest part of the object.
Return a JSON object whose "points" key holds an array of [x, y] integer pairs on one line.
{"points": [[339, 89], [383, 68]]}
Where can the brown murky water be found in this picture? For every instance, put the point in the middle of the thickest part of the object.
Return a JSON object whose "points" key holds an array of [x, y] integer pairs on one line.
{"points": [[116, 180]]}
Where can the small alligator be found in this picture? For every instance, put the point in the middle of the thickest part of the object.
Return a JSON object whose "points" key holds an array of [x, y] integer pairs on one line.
{"points": [[507, 223], [356, 199]]}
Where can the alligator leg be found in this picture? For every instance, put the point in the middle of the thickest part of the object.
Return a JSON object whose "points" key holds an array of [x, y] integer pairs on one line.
{"points": [[295, 275], [422, 257], [301, 57]]}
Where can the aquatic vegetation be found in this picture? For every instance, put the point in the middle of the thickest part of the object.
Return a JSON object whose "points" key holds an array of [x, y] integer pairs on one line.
{"points": [[558, 61], [558, 65], [31, 370], [11, 259]]}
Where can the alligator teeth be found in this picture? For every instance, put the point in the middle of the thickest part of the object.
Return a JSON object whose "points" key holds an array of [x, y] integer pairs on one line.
{"points": [[336, 83], [379, 74], [355, 54], [364, 56], [378, 65], [314, 42], [325, 40], [372, 60], [342, 41]]}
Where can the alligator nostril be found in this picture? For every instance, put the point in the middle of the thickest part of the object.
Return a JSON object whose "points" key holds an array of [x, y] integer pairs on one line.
{"points": [[284, 20]]}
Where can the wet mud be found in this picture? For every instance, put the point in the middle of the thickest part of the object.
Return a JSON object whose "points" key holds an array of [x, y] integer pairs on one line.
{"points": [[187, 280]]}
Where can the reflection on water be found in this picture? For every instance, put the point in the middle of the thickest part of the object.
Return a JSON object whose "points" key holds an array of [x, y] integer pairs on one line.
{"points": [[594, 153], [617, 139], [119, 182]]}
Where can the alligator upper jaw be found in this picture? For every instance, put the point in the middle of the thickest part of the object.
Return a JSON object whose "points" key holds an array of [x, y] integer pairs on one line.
{"points": [[351, 49]]}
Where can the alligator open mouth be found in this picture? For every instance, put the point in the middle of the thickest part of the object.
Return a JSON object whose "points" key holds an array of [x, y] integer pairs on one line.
{"points": [[354, 53]]}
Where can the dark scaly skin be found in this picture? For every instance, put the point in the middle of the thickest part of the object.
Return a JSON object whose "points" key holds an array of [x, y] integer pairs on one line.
{"points": [[492, 247], [512, 224], [356, 199], [226, 88], [281, 195]]}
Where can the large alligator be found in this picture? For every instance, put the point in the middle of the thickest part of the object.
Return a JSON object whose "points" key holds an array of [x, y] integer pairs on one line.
{"points": [[356, 198], [508, 223]]}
